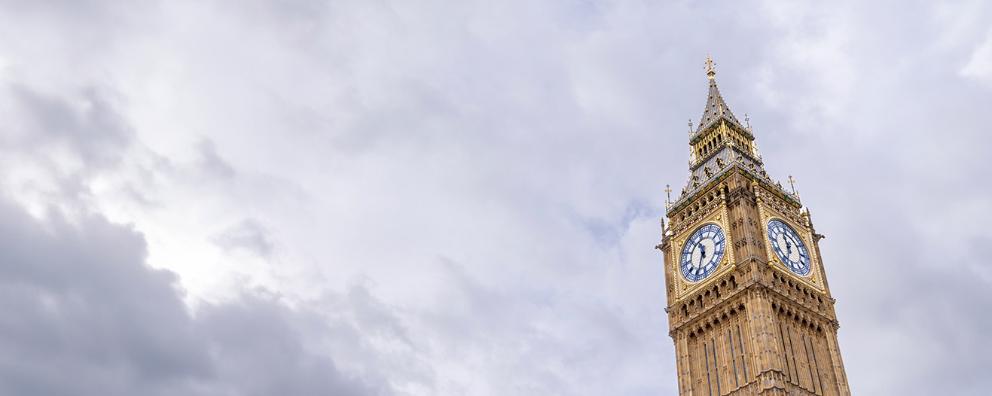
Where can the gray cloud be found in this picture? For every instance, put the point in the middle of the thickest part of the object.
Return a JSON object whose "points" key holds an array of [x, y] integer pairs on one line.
{"points": [[247, 235], [67, 136], [84, 315], [85, 123]]}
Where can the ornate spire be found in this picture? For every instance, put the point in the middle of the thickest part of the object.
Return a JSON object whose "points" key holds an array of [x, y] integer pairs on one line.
{"points": [[792, 183], [716, 108], [720, 143], [668, 196]]}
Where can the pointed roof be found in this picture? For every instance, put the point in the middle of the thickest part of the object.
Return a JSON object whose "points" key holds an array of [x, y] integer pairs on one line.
{"points": [[716, 108]]}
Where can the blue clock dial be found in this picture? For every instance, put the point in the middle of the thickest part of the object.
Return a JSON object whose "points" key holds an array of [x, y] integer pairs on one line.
{"points": [[701, 254], [788, 247]]}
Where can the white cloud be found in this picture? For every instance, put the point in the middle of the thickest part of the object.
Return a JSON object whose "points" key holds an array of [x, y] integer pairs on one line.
{"points": [[979, 65]]}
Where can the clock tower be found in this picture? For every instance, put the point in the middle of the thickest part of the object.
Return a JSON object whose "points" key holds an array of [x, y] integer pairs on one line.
{"points": [[749, 306]]}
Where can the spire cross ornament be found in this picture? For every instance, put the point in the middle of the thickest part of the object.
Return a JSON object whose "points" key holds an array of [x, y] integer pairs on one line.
{"points": [[747, 120], [668, 196], [690, 126], [792, 183], [710, 68]]}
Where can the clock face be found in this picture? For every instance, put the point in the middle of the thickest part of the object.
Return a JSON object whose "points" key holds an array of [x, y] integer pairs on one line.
{"points": [[702, 252], [789, 247]]}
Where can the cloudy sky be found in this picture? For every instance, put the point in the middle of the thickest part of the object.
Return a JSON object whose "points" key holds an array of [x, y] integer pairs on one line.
{"points": [[462, 198]]}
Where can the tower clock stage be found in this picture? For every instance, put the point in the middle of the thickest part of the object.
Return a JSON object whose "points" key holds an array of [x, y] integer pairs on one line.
{"points": [[749, 306]]}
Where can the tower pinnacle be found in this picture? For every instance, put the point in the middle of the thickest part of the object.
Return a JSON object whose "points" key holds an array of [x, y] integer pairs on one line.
{"points": [[716, 109]]}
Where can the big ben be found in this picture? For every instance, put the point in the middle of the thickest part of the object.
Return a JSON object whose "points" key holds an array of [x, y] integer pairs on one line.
{"points": [[749, 306]]}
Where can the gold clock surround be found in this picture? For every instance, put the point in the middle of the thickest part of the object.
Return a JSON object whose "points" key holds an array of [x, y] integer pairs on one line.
{"points": [[815, 276], [684, 286]]}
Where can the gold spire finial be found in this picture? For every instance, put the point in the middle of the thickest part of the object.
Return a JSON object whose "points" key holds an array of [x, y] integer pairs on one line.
{"points": [[710, 68], [668, 196], [792, 183], [690, 126]]}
